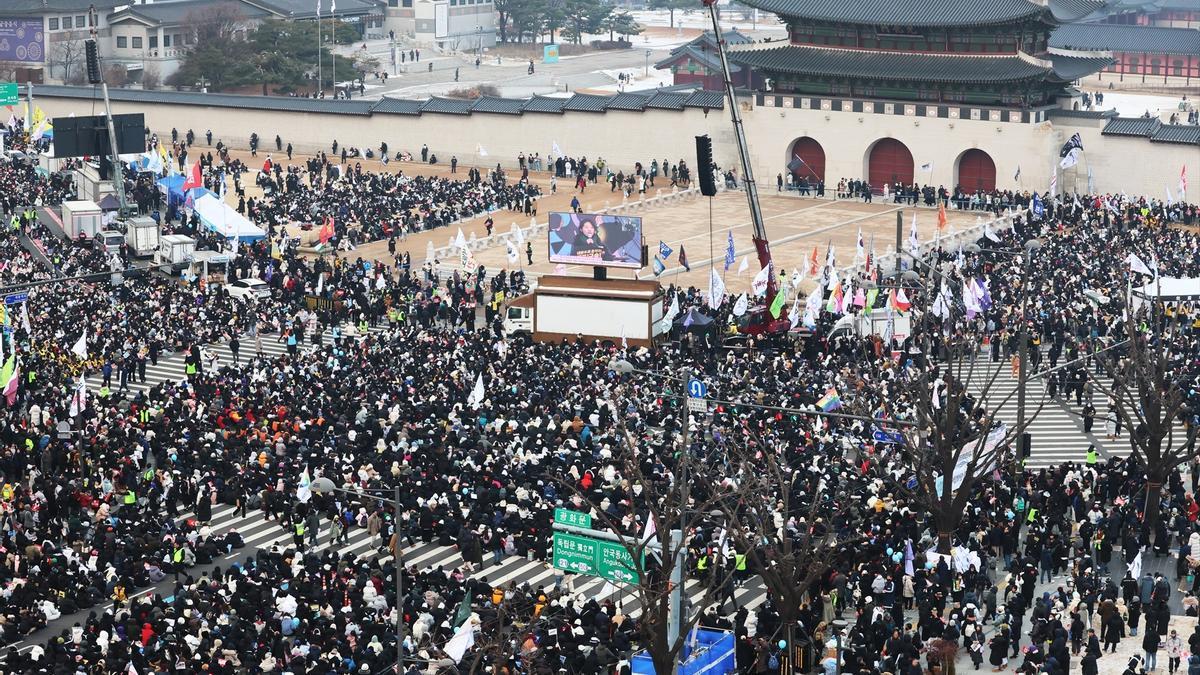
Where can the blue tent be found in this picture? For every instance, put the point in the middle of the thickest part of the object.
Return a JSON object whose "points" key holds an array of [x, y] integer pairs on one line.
{"points": [[712, 653], [173, 187]]}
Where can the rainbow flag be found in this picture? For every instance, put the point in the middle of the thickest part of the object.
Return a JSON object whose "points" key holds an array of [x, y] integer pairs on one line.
{"points": [[830, 401]]}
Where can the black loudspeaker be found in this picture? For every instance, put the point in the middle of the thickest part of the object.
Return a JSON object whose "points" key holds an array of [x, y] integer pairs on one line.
{"points": [[704, 164], [93, 62]]}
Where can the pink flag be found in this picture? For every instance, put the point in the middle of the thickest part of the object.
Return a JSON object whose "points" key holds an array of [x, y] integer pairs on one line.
{"points": [[860, 298]]}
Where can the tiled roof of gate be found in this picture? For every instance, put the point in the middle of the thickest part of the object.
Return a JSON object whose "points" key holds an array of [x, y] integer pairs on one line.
{"points": [[892, 65], [927, 12]]}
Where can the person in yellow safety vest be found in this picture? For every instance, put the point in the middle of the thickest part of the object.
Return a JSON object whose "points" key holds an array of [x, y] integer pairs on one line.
{"points": [[702, 565], [739, 567], [1033, 514], [144, 415], [497, 596], [130, 498], [105, 392], [363, 328], [298, 534], [1092, 456]]}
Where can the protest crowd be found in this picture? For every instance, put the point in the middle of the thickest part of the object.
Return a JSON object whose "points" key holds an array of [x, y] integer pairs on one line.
{"points": [[109, 530]]}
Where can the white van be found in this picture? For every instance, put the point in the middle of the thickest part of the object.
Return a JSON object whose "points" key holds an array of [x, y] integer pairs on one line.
{"points": [[109, 241], [518, 316]]}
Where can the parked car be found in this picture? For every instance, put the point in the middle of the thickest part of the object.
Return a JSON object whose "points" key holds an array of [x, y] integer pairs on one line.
{"points": [[248, 288]]}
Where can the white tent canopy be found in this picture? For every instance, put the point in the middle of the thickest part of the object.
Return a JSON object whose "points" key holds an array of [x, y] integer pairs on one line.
{"points": [[1167, 289], [225, 220]]}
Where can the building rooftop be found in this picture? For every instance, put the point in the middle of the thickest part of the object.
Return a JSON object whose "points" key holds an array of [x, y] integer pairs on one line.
{"points": [[1125, 38], [928, 12], [1069, 68], [307, 9], [175, 12], [1153, 129], [40, 7], [667, 98], [891, 65]]}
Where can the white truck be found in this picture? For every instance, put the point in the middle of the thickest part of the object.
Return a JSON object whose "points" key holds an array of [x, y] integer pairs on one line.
{"points": [[141, 237], [82, 218], [175, 248]]}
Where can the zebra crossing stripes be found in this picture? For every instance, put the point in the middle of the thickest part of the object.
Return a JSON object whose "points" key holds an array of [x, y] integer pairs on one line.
{"points": [[1056, 432], [171, 366], [259, 533]]}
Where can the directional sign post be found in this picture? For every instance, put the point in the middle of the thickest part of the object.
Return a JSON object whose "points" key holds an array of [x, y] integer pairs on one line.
{"points": [[697, 389], [16, 298], [597, 557], [574, 553], [10, 93], [615, 563]]}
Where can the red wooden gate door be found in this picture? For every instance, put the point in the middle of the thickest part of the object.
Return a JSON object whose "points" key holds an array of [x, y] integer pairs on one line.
{"points": [[813, 156], [976, 171], [890, 162]]}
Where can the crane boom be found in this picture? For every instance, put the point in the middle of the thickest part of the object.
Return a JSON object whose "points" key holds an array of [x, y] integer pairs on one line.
{"points": [[761, 246]]}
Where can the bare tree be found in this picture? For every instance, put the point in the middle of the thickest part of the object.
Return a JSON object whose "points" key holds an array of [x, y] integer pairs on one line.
{"points": [[217, 23], [151, 79], [790, 559], [666, 497], [65, 55], [958, 439], [1149, 401]]}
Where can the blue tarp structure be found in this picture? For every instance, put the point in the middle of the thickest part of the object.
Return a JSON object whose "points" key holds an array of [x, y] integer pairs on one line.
{"points": [[712, 654], [173, 187]]}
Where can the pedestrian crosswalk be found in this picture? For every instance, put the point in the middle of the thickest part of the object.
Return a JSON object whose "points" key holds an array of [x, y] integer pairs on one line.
{"points": [[1056, 433], [259, 533], [171, 367]]}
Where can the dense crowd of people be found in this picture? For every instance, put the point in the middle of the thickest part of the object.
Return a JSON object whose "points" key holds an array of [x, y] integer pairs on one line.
{"points": [[126, 504]]}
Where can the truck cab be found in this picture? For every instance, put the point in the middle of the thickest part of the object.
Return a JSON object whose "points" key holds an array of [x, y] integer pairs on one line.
{"points": [[518, 316]]}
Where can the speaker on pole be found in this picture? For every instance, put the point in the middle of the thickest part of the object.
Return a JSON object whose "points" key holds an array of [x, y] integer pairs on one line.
{"points": [[92, 52], [704, 164]]}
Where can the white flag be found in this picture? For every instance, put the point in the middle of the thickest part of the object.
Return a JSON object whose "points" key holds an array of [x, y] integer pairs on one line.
{"points": [[928, 166], [476, 397], [518, 234], [460, 241], [1169, 200], [1136, 264], [79, 397], [673, 310], [557, 151], [513, 255], [744, 265], [80, 348], [320, 283], [479, 150], [914, 244], [25, 317], [759, 285], [429, 253], [716, 290], [987, 232], [457, 646], [742, 304]]}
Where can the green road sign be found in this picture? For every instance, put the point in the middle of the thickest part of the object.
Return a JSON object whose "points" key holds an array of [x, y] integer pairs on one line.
{"points": [[572, 518], [615, 563], [10, 93], [574, 553], [597, 557]]}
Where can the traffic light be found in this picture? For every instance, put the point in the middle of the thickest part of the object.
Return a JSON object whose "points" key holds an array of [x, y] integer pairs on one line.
{"points": [[1026, 445], [704, 164], [93, 62]]}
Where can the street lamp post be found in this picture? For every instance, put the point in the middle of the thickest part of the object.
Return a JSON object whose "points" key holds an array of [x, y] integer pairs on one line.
{"points": [[322, 485]]}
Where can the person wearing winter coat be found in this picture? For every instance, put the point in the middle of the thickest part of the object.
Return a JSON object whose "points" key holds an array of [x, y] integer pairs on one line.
{"points": [[1193, 665], [1150, 643], [1114, 630], [1174, 646]]}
